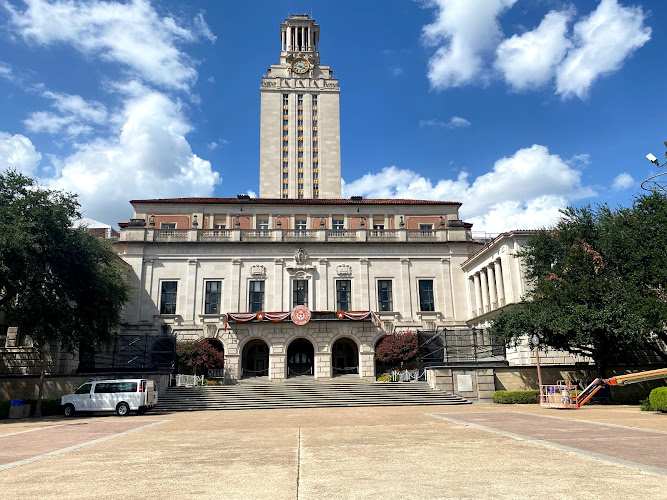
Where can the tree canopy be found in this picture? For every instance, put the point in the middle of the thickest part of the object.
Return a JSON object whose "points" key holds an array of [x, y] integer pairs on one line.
{"points": [[57, 284], [598, 282]]}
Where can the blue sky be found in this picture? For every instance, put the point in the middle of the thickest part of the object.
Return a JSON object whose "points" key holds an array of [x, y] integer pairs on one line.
{"points": [[514, 107]]}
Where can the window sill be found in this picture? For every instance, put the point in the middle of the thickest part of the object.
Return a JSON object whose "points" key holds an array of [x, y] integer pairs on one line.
{"points": [[429, 314], [168, 318], [385, 315], [212, 317]]}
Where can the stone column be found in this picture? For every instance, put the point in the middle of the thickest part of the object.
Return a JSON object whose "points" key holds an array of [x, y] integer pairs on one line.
{"points": [[500, 286], [236, 283], [367, 364], [310, 38], [147, 286], [365, 286], [191, 290], [277, 368], [323, 295], [289, 38], [493, 303], [278, 285], [485, 291], [478, 295], [323, 367], [448, 298], [405, 290]]}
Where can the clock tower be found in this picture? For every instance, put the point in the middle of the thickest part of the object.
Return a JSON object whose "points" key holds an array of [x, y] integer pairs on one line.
{"points": [[299, 152]]}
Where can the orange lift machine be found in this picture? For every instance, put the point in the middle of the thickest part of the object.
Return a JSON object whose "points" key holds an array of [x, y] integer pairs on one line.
{"points": [[564, 394]]}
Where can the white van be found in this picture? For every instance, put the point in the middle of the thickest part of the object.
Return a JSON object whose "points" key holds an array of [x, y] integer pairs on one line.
{"points": [[120, 396]]}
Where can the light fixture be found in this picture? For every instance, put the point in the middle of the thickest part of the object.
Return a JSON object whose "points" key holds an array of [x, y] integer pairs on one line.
{"points": [[650, 157]]}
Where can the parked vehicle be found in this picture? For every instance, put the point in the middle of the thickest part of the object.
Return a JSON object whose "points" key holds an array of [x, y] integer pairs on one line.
{"points": [[120, 396]]}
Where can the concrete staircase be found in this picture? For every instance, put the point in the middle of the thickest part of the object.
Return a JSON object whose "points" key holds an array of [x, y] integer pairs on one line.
{"points": [[302, 392]]}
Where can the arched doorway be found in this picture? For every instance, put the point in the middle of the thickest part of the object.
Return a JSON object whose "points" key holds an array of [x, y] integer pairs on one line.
{"points": [[345, 357], [300, 357], [255, 362], [380, 366]]}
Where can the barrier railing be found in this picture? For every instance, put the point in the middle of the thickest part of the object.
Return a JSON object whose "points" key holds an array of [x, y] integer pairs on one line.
{"points": [[188, 380]]}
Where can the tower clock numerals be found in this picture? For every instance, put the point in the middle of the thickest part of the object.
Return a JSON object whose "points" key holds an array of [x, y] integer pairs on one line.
{"points": [[300, 65]]}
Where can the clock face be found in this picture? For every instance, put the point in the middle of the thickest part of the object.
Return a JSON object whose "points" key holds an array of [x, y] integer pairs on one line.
{"points": [[300, 65]]}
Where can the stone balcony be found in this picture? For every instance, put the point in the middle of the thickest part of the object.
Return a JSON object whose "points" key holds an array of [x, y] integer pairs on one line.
{"points": [[152, 235]]}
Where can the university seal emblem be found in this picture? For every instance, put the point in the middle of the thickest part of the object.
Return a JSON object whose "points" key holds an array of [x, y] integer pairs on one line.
{"points": [[300, 315]]}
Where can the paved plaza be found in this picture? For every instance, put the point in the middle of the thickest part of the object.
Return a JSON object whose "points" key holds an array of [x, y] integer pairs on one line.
{"points": [[474, 451]]}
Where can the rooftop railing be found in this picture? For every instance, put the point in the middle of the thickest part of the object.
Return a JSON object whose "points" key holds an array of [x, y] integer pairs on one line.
{"points": [[142, 234]]}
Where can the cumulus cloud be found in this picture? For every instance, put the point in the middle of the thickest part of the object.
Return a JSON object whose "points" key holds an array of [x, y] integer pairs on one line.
{"points": [[524, 190], [622, 181], [454, 122], [74, 114], [466, 31], [148, 157], [131, 33], [529, 60], [602, 41], [17, 152]]}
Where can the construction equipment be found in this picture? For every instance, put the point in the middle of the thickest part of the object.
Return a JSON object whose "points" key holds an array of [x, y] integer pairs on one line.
{"points": [[565, 395]]}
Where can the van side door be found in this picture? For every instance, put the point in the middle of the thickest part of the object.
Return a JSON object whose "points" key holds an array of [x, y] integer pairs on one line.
{"points": [[81, 399]]}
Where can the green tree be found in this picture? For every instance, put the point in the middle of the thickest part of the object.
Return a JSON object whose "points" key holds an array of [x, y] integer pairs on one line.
{"points": [[58, 285], [598, 281]]}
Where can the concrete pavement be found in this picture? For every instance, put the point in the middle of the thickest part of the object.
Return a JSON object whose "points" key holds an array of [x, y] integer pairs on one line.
{"points": [[360, 453]]}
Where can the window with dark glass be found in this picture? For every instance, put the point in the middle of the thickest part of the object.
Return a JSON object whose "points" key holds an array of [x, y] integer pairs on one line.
{"points": [[300, 295], [256, 296], [426, 302], [338, 224], [168, 297], [213, 295], [343, 295], [384, 295]]}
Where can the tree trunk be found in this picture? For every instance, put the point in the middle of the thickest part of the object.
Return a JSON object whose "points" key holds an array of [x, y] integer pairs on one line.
{"points": [[40, 393]]}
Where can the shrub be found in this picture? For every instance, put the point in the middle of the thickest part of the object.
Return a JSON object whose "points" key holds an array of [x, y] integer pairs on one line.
{"points": [[199, 355], [658, 399], [4, 409], [397, 347], [212, 382], [516, 397], [385, 377], [629, 398], [49, 407]]}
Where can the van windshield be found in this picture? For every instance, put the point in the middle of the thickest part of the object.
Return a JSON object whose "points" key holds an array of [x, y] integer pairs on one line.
{"points": [[84, 389]]}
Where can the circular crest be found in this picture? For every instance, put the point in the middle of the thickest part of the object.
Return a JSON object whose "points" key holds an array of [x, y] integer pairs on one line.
{"points": [[300, 315]]}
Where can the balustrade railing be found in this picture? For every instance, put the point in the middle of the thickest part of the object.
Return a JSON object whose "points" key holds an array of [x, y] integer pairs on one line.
{"points": [[171, 234]]}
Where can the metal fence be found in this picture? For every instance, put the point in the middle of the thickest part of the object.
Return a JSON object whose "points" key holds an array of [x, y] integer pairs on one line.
{"points": [[131, 353], [457, 345]]}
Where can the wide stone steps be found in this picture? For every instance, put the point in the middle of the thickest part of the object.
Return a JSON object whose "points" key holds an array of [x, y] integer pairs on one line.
{"points": [[254, 394]]}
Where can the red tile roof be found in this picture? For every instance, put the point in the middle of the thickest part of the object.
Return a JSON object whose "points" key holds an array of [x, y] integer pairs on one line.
{"points": [[292, 201]]}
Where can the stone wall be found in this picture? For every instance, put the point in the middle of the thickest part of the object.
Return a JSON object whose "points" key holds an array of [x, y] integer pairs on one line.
{"points": [[57, 386]]}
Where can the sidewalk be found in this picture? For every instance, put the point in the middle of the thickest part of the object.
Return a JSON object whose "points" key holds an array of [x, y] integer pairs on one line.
{"points": [[360, 453]]}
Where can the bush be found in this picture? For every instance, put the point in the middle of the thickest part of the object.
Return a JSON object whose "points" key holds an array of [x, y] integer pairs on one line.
{"points": [[658, 399], [199, 354], [516, 397], [385, 377], [212, 382], [397, 347], [49, 407], [4, 409], [629, 398]]}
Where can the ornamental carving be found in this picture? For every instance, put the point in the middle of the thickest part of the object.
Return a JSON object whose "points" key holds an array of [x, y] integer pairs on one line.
{"points": [[343, 270], [258, 270], [300, 315]]}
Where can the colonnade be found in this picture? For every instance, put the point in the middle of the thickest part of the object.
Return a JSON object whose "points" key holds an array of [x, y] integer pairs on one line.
{"points": [[489, 288], [303, 38]]}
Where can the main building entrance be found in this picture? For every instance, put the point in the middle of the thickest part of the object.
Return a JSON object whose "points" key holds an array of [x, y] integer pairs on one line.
{"points": [[300, 356]]}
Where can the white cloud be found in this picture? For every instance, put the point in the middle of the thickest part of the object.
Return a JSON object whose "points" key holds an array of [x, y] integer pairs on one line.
{"points": [[622, 181], [602, 41], [212, 145], [74, 115], [18, 152], [468, 30], [6, 71], [148, 157], [132, 34], [454, 122], [528, 61], [522, 191], [397, 71], [204, 29]]}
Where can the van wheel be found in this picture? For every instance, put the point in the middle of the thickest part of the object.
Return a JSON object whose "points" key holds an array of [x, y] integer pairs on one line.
{"points": [[122, 409], [69, 410]]}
